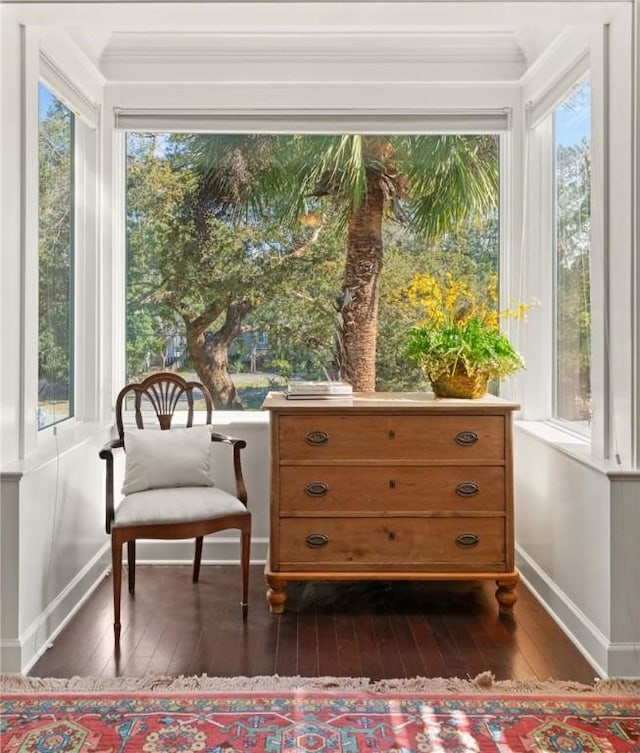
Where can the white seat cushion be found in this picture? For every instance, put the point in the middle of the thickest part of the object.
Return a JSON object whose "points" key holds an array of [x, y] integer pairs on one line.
{"points": [[176, 505]]}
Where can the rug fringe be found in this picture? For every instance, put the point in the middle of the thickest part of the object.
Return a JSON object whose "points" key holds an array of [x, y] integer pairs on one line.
{"points": [[485, 682]]}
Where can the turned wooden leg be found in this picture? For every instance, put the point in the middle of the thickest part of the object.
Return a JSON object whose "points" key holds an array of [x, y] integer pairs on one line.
{"points": [[116, 563], [506, 595], [197, 558], [277, 595], [131, 564], [244, 566]]}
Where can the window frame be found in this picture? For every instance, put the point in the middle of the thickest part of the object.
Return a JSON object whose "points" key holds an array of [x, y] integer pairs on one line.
{"points": [[85, 303], [541, 96], [498, 121], [578, 428], [72, 282]]}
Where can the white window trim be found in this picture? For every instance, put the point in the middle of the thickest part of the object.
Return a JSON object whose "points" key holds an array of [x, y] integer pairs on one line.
{"points": [[593, 64], [556, 92], [39, 443], [398, 120], [67, 92]]}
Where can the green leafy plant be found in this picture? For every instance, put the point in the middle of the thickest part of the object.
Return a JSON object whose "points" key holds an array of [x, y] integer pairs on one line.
{"points": [[459, 336]]}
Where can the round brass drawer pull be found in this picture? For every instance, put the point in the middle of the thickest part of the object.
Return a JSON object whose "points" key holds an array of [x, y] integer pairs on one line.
{"points": [[466, 437], [316, 540], [467, 489], [316, 437], [467, 540], [316, 489]]}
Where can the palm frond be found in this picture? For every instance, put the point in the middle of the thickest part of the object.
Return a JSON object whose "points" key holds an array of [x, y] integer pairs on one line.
{"points": [[450, 178]]}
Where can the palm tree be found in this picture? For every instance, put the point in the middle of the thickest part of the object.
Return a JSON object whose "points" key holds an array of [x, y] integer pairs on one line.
{"points": [[431, 183]]}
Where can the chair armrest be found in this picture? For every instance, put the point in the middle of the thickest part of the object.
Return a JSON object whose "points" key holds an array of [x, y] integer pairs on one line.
{"points": [[106, 453], [238, 445]]}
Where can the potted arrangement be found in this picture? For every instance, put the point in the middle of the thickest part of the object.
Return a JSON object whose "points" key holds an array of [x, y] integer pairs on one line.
{"points": [[458, 344]]}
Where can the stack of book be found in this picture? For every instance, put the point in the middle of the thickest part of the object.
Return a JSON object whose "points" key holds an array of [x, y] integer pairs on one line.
{"points": [[299, 390]]}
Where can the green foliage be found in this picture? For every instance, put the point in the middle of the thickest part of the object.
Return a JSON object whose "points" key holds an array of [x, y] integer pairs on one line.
{"points": [[481, 350], [55, 251], [573, 281], [459, 330], [259, 223]]}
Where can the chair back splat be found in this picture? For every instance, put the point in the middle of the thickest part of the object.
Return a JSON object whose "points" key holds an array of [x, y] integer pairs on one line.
{"points": [[168, 489], [162, 393]]}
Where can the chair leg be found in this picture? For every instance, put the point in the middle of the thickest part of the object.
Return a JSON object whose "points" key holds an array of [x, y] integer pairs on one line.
{"points": [[246, 550], [131, 563], [196, 559], [116, 563]]}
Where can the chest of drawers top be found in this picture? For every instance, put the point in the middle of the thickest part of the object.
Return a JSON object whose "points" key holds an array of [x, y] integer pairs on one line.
{"points": [[391, 426]]}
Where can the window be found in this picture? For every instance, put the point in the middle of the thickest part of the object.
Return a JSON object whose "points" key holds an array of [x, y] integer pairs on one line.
{"points": [[55, 259], [238, 249], [572, 304]]}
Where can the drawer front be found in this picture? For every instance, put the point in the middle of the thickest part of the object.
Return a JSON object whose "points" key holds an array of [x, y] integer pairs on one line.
{"points": [[391, 437], [438, 544], [307, 489]]}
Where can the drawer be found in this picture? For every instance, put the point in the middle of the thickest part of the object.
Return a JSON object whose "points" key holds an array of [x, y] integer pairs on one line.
{"points": [[306, 489], [347, 544], [391, 437]]}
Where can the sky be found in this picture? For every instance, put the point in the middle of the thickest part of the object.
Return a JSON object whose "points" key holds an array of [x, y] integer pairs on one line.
{"points": [[573, 117]]}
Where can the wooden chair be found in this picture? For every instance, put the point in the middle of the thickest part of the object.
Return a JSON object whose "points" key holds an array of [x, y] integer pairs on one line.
{"points": [[173, 511]]}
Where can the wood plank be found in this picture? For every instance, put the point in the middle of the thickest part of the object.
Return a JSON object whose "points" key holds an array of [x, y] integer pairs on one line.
{"points": [[339, 628]]}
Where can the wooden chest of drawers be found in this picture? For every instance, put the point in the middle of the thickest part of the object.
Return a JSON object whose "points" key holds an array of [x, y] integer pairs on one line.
{"points": [[391, 486]]}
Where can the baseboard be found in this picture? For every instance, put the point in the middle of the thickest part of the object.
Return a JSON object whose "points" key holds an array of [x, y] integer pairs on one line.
{"points": [[10, 655], [624, 660], [608, 659]]}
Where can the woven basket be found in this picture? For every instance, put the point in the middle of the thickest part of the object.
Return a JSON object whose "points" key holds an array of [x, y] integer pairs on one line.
{"points": [[460, 384]]}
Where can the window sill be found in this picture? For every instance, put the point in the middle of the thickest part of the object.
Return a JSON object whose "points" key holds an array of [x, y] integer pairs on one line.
{"points": [[576, 447]]}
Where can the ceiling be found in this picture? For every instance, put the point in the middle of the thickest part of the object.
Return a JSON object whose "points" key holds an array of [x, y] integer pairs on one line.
{"points": [[201, 41]]}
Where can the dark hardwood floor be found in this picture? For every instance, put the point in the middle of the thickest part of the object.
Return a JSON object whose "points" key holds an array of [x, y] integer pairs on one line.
{"points": [[376, 629]]}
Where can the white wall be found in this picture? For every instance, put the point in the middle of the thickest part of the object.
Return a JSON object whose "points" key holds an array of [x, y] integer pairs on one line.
{"points": [[578, 548]]}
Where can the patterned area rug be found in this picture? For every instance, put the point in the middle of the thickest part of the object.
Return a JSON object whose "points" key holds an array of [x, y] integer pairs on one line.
{"points": [[314, 721]]}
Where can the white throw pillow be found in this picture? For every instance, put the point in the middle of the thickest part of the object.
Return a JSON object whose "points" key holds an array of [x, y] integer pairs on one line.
{"points": [[159, 459]]}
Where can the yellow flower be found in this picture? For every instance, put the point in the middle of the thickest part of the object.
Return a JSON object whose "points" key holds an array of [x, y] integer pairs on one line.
{"points": [[438, 303]]}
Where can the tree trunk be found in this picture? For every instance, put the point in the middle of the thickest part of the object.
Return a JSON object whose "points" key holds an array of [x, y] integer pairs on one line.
{"points": [[360, 293], [209, 353]]}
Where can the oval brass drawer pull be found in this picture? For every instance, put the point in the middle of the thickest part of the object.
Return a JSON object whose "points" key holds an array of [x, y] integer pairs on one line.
{"points": [[316, 437], [316, 488], [466, 437], [316, 540], [467, 540], [467, 489]]}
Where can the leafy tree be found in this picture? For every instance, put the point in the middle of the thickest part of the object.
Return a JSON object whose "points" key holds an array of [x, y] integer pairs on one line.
{"points": [[300, 315], [469, 253], [573, 249], [190, 263], [430, 183], [55, 248]]}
